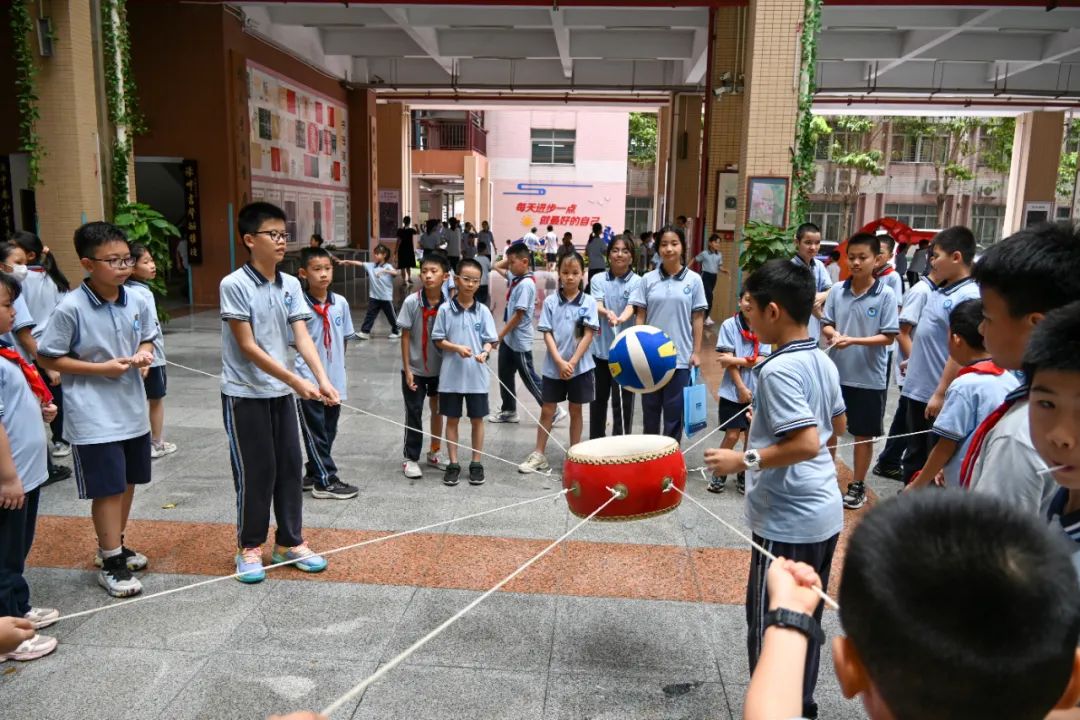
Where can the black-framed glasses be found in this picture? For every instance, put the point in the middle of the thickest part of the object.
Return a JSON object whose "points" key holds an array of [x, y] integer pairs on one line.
{"points": [[275, 235], [117, 263]]}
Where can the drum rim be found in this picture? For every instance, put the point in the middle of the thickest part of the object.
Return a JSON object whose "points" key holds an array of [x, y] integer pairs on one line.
{"points": [[638, 457], [628, 518]]}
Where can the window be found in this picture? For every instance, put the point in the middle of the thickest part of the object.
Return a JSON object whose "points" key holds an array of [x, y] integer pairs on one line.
{"points": [[920, 148], [922, 217], [1064, 212], [638, 214], [829, 216], [553, 147], [986, 223]]}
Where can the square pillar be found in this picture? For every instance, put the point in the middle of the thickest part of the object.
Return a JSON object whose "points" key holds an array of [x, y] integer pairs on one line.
{"points": [[1035, 158]]}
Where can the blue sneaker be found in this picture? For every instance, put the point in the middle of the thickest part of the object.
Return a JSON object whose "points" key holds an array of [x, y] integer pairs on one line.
{"points": [[249, 562], [306, 560]]}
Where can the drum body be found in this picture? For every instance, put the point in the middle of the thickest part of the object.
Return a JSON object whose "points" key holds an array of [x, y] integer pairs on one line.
{"points": [[641, 468]]}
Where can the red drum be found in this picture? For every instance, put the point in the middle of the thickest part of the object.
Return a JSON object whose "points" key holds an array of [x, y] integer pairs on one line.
{"points": [[641, 468]]}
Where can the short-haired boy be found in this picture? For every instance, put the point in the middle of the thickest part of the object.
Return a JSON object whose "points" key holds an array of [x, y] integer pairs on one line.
{"points": [[924, 575], [979, 388], [465, 332], [259, 307], [859, 323], [421, 362], [98, 339], [483, 256], [1052, 364], [380, 292], [929, 371], [24, 401], [330, 326], [807, 245], [1021, 279], [793, 502]]}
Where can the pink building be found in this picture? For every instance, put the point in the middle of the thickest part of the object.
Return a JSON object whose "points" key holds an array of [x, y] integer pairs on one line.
{"points": [[563, 168]]}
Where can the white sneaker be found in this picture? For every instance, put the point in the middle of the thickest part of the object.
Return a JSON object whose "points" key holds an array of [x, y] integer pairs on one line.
{"points": [[363, 335], [60, 449], [534, 463], [709, 321], [411, 469], [117, 579], [503, 417], [42, 617], [32, 649], [394, 336], [165, 448], [435, 461], [135, 560], [560, 414]]}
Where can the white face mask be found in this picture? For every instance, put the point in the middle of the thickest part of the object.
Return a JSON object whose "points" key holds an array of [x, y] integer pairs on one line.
{"points": [[19, 272]]}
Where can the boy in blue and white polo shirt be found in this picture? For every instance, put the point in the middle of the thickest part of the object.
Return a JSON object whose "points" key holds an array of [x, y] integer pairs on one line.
{"points": [[517, 334], [793, 502], [807, 245], [711, 261], [381, 276], [330, 327], [859, 323], [259, 307], [99, 337]]}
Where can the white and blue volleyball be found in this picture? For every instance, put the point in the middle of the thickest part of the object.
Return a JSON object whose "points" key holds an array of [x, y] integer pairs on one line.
{"points": [[642, 358]]}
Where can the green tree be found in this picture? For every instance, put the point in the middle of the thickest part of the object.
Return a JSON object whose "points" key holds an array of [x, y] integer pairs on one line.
{"points": [[853, 155], [642, 138], [1066, 182]]}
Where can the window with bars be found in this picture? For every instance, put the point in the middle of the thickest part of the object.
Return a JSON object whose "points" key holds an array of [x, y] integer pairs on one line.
{"points": [[837, 144], [638, 214], [919, 148], [916, 216], [553, 147], [829, 216], [987, 222]]}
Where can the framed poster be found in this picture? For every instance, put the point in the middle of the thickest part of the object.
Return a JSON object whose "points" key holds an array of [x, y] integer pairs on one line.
{"points": [[767, 200]]}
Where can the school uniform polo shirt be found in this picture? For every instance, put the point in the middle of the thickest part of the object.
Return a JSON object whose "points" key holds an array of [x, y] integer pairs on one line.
{"points": [[894, 282], [1068, 524], [339, 323], [270, 307], [485, 269], [730, 339], [797, 387], [969, 400], [522, 297], [913, 304], [473, 327], [872, 313], [20, 414], [670, 302], [822, 282], [380, 280], [87, 327], [23, 319], [41, 295], [148, 296], [615, 293], [563, 318], [710, 262], [411, 317], [596, 250], [930, 350]]}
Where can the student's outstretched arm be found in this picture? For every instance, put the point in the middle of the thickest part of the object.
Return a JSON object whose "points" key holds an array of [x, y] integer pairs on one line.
{"points": [[245, 339]]}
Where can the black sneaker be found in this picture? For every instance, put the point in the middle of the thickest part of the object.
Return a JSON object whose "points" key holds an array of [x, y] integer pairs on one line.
{"points": [[117, 579], [336, 490], [309, 484], [476, 473], [855, 497], [717, 484], [58, 473], [810, 711], [890, 473], [740, 483], [450, 475]]}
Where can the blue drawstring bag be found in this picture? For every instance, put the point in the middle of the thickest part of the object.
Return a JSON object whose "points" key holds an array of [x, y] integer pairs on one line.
{"points": [[695, 405]]}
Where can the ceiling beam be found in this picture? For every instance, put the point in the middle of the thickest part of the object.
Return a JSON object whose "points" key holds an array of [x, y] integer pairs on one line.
{"points": [[562, 40], [922, 45], [694, 67], [1056, 49], [425, 37]]}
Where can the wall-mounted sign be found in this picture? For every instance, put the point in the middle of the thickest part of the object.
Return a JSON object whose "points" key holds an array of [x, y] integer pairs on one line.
{"points": [[191, 227], [7, 199]]}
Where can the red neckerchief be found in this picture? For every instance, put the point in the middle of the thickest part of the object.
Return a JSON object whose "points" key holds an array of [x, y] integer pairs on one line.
{"points": [[748, 336], [323, 311], [884, 271], [33, 377], [978, 438], [513, 284], [427, 314], [35, 268], [983, 367]]}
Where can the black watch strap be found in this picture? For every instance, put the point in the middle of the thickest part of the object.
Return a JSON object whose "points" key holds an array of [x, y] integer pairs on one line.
{"points": [[806, 624]]}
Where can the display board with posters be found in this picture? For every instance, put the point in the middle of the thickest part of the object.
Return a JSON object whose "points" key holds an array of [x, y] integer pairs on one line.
{"points": [[299, 157]]}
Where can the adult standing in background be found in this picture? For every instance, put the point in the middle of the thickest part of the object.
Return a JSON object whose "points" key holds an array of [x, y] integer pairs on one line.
{"points": [[453, 243], [596, 251], [406, 249], [486, 236], [431, 238], [919, 265], [532, 241]]}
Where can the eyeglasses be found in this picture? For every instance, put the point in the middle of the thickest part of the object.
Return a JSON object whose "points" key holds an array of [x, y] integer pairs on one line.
{"points": [[468, 280], [117, 263], [278, 237]]}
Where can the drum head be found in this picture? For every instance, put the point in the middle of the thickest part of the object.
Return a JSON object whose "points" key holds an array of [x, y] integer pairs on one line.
{"points": [[621, 448]]}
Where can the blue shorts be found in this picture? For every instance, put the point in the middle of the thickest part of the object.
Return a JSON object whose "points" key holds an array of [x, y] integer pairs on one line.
{"points": [[475, 404], [580, 389], [106, 469], [155, 382]]}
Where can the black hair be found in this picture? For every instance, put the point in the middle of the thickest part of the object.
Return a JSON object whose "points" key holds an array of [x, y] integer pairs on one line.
{"points": [[92, 235], [567, 236], [380, 248], [645, 236], [518, 250], [1034, 270], [469, 263], [439, 258], [313, 253], [406, 221], [946, 595], [806, 227], [453, 222], [785, 283], [964, 320], [551, 228], [887, 239], [318, 239], [681, 217], [137, 250], [871, 241], [432, 223], [481, 246], [573, 256], [629, 246], [1055, 342], [834, 255], [31, 243], [597, 229], [253, 215], [532, 230], [678, 232], [13, 287], [6, 248], [957, 239], [713, 236]]}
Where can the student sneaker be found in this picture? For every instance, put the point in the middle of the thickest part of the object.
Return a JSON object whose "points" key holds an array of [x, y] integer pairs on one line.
{"points": [[32, 649], [58, 473], [718, 484], [336, 490], [411, 469], [60, 449], [889, 473], [363, 335], [162, 449], [249, 562], [560, 414], [534, 463], [855, 497], [740, 483], [134, 560], [308, 561], [394, 336], [503, 417], [308, 484], [476, 473], [42, 617], [117, 579], [450, 475], [435, 461]]}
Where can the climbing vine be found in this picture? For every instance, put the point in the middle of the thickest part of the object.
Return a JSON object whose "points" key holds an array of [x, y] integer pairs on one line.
{"points": [[802, 161], [120, 95], [26, 90]]}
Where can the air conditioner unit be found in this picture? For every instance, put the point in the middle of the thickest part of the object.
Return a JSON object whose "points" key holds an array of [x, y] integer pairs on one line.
{"points": [[987, 190], [931, 187], [843, 185]]}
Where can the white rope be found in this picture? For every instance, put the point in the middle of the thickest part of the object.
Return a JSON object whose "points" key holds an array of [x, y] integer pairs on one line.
{"points": [[820, 593], [879, 438], [1051, 469], [715, 430], [364, 684], [353, 546], [517, 402]]}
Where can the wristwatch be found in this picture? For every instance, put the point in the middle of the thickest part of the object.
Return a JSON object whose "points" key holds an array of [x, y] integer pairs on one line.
{"points": [[806, 624], [752, 460]]}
